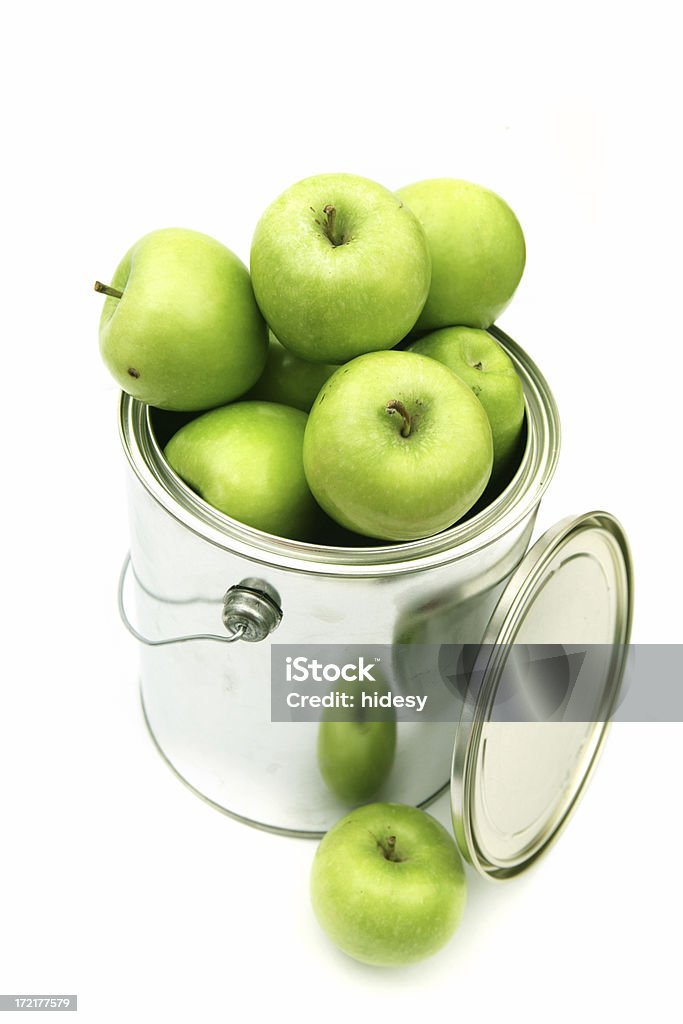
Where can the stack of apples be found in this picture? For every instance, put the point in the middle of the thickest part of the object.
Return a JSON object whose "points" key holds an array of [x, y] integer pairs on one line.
{"points": [[347, 387]]}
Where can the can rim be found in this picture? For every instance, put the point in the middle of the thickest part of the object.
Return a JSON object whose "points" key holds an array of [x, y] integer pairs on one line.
{"points": [[515, 503]]}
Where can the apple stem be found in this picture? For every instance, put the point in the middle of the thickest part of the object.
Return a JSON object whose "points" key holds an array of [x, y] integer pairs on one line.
{"points": [[107, 289], [389, 849], [396, 406], [331, 214]]}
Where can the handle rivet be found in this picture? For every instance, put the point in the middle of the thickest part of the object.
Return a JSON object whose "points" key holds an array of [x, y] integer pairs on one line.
{"points": [[254, 606]]}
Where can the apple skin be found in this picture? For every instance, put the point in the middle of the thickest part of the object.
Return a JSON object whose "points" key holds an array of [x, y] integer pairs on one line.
{"points": [[186, 334], [246, 460], [477, 249], [383, 911], [478, 360], [356, 747], [289, 380], [335, 285], [370, 478]]}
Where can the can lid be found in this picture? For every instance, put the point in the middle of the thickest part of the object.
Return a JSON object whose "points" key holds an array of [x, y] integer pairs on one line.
{"points": [[516, 778]]}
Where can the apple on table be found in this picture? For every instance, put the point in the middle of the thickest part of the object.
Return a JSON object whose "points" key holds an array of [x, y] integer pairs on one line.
{"points": [[388, 884]]}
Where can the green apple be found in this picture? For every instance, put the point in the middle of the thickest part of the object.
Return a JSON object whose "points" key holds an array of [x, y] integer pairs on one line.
{"points": [[356, 747], [246, 460], [289, 380], [388, 884], [180, 328], [396, 446], [477, 249], [481, 363], [340, 267]]}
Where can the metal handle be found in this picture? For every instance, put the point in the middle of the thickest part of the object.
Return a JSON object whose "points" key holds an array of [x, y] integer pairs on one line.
{"points": [[251, 611]]}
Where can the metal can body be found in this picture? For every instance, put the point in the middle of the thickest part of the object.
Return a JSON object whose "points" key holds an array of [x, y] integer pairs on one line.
{"points": [[208, 704]]}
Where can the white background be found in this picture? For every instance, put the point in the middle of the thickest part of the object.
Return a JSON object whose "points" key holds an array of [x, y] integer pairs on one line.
{"points": [[116, 882]]}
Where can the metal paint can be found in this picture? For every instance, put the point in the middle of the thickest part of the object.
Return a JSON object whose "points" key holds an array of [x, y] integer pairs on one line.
{"points": [[196, 572]]}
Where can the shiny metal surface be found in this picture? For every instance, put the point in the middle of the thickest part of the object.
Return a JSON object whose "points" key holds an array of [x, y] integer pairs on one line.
{"points": [[208, 707], [253, 607], [515, 784]]}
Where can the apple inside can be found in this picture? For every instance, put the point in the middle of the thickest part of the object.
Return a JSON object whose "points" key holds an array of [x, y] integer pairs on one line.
{"points": [[198, 575]]}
